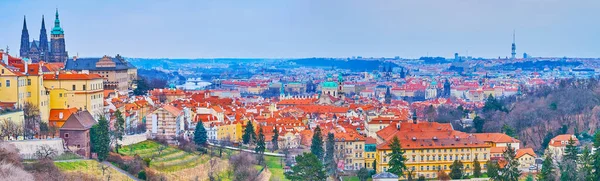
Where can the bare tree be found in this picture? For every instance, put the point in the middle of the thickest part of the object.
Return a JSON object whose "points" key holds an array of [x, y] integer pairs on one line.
{"points": [[242, 167], [10, 130], [212, 170], [32, 120], [45, 152]]}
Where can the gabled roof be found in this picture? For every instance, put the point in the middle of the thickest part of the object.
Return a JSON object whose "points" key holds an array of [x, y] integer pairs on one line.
{"points": [[81, 120], [525, 151], [171, 109]]}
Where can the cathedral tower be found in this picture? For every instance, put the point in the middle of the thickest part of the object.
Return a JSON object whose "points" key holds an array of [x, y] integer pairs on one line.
{"points": [[24, 51], [44, 50], [58, 52]]}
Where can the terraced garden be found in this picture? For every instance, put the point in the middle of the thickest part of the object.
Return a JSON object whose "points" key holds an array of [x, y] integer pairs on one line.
{"points": [[170, 159], [91, 168]]}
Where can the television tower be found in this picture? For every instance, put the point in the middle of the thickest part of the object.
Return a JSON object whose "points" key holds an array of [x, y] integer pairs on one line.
{"points": [[514, 48]]}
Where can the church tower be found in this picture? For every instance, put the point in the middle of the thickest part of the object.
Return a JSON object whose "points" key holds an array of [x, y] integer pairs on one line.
{"points": [[44, 50], [57, 49], [24, 51]]}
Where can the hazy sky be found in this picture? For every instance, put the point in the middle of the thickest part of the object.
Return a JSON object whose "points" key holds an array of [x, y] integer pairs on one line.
{"points": [[311, 28]]}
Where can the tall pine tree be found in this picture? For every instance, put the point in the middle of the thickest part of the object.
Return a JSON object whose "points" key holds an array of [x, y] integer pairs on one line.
{"points": [[596, 156], [547, 173], [511, 169], [316, 147], [249, 134], [586, 162], [260, 145], [476, 168], [308, 167], [200, 134], [275, 140], [119, 129], [329, 162], [570, 151], [100, 138], [397, 159]]}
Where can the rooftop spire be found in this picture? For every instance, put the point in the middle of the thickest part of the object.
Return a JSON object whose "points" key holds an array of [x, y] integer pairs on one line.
{"points": [[24, 22], [57, 30]]}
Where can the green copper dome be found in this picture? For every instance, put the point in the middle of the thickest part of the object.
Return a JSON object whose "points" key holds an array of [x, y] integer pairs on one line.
{"points": [[57, 30], [329, 85]]}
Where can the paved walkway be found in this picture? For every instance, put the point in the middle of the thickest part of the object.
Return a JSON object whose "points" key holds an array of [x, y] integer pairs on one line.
{"points": [[249, 151], [122, 171]]}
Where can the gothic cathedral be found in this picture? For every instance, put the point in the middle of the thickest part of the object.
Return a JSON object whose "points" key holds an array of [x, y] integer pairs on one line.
{"points": [[41, 50]]}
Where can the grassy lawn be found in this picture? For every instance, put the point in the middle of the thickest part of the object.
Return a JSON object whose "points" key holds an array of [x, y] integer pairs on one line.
{"points": [[274, 165], [91, 168], [353, 178], [67, 156]]}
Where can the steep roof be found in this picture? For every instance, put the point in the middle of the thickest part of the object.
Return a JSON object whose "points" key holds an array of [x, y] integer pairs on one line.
{"points": [[81, 120], [496, 138], [172, 109], [90, 64]]}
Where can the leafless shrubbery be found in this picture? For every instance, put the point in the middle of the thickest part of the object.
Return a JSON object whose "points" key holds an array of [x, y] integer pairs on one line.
{"points": [[9, 154], [242, 166], [8, 171], [45, 152], [45, 170]]}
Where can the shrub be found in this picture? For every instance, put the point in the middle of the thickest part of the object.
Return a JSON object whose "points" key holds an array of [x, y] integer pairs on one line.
{"points": [[8, 171], [142, 175], [9, 154], [45, 170]]}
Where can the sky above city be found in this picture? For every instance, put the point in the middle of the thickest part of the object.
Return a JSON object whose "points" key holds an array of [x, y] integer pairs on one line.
{"points": [[311, 28]]}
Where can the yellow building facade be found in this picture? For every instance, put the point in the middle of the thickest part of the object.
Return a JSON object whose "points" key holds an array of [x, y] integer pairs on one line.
{"points": [[230, 131], [427, 161], [24, 87], [82, 91]]}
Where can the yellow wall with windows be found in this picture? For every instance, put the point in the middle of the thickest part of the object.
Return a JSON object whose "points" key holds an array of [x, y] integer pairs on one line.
{"points": [[81, 94], [24, 88], [427, 162], [233, 131]]}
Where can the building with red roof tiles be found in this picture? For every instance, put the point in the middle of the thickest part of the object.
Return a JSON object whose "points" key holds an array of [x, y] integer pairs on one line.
{"points": [[82, 91], [498, 140], [381, 122], [58, 116], [558, 144], [526, 158], [430, 147]]}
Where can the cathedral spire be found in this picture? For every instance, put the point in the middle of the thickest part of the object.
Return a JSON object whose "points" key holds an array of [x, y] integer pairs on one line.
{"points": [[43, 41], [57, 30], [24, 51]]}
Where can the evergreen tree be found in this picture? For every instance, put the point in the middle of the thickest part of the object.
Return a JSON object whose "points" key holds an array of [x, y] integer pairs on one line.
{"points": [[249, 134], [568, 170], [308, 167], [586, 169], [397, 159], [375, 165], [456, 170], [547, 173], [260, 145], [100, 138], [316, 147], [200, 134], [476, 168], [119, 129], [275, 140], [511, 169], [570, 151], [329, 162], [596, 156], [362, 174], [478, 123], [492, 169]]}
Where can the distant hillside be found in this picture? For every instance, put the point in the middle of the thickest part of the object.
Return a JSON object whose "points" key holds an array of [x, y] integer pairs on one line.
{"points": [[537, 65], [352, 64]]}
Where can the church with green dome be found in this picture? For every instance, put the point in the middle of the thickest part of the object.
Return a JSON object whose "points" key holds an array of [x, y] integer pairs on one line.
{"points": [[333, 88]]}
